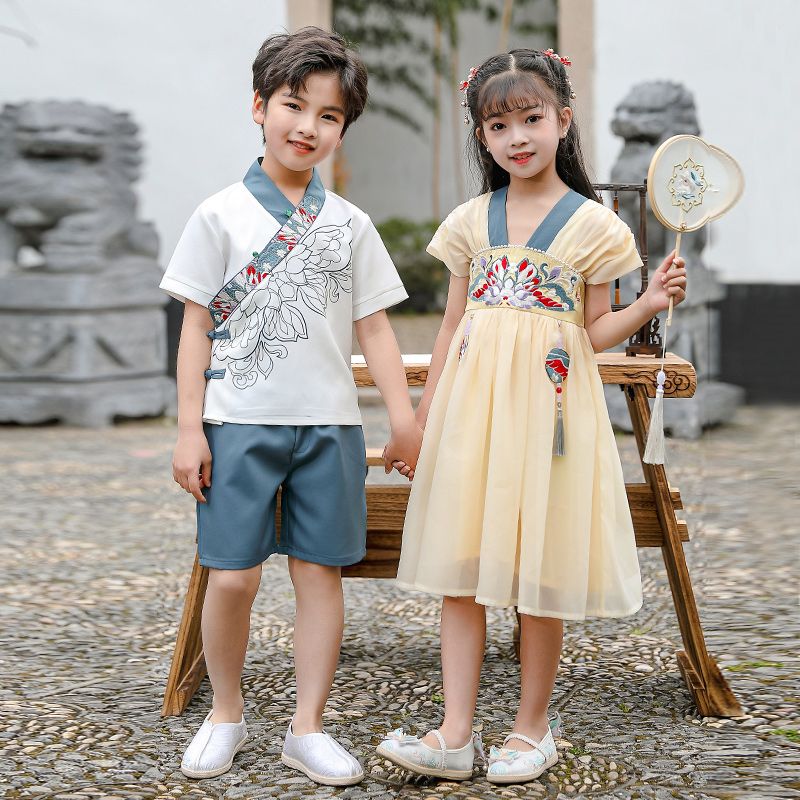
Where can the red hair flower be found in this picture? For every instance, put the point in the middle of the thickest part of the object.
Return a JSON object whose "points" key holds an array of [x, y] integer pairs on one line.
{"points": [[464, 85], [563, 59]]}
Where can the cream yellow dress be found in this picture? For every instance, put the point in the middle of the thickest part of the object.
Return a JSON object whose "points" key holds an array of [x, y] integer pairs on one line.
{"points": [[493, 513]]}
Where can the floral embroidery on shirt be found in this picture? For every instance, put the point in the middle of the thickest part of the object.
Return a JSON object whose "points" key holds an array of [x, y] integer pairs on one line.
{"points": [[310, 272], [284, 241]]}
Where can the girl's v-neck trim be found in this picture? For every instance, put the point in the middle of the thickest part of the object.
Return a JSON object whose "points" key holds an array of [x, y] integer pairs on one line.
{"points": [[546, 231]]}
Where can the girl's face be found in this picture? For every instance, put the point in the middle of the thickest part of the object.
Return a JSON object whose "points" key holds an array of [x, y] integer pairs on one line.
{"points": [[524, 141]]}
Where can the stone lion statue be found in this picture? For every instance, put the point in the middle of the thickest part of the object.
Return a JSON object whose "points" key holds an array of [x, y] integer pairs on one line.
{"points": [[66, 202]]}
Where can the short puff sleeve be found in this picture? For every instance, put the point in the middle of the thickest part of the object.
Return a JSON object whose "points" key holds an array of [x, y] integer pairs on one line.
{"points": [[607, 249], [196, 270], [450, 243], [376, 283]]}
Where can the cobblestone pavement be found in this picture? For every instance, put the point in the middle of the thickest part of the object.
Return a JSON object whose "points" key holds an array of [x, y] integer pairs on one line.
{"points": [[96, 547]]}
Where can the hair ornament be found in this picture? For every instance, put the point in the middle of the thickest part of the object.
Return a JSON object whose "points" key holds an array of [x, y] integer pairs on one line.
{"points": [[550, 53], [563, 59], [463, 86]]}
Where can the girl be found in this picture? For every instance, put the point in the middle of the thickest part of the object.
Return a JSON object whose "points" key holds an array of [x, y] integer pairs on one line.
{"points": [[518, 498]]}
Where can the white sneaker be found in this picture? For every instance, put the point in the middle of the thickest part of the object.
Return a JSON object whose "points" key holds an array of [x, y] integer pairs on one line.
{"points": [[211, 751], [322, 758], [413, 754], [516, 766]]}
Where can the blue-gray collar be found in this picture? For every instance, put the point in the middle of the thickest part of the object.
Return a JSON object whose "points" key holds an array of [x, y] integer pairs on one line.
{"points": [[548, 229], [263, 188]]}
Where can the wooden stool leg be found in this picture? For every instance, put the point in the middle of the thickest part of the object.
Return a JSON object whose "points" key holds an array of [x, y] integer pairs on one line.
{"points": [[709, 688], [188, 665]]}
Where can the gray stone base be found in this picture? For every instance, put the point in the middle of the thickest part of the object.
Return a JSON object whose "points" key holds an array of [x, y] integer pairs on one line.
{"points": [[90, 404], [684, 418]]}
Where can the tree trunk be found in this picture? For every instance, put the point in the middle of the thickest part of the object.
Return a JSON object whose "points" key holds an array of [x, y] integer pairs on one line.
{"points": [[505, 25], [436, 166], [456, 122]]}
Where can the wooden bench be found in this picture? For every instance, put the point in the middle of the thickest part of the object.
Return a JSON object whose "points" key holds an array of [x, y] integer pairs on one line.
{"points": [[653, 506]]}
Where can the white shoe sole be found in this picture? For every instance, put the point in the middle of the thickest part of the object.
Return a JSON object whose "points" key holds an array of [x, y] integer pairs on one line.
{"points": [[212, 773], [431, 772], [325, 780], [525, 777]]}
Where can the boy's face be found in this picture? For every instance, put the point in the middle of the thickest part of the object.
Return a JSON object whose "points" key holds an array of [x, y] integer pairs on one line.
{"points": [[303, 128]]}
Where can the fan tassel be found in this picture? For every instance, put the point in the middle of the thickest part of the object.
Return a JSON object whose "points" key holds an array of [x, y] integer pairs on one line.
{"points": [[654, 451]]}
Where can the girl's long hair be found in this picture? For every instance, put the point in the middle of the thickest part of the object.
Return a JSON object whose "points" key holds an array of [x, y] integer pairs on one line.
{"points": [[514, 80]]}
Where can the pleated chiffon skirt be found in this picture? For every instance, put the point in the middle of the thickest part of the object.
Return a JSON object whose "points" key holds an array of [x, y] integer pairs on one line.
{"points": [[493, 513]]}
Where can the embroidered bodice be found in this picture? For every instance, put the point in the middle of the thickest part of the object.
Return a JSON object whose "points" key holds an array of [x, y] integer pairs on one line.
{"points": [[525, 279]]}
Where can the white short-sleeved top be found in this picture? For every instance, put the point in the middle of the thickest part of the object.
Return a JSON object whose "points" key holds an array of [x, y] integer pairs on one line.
{"points": [[283, 284]]}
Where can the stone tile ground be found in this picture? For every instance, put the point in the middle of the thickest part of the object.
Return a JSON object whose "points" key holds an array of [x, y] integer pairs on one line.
{"points": [[96, 544]]}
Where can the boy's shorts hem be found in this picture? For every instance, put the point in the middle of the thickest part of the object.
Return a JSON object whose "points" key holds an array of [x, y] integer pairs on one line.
{"points": [[343, 561], [222, 563], [325, 561]]}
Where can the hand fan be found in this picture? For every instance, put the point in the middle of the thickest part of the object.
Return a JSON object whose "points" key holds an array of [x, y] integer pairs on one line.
{"points": [[690, 182]]}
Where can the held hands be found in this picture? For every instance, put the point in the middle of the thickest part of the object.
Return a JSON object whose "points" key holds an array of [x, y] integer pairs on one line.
{"points": [[191, 463], [667, 283], [402, 451]]}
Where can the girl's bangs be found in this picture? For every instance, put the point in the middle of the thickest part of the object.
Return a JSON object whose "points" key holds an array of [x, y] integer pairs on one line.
{"points": [[510, 91]]}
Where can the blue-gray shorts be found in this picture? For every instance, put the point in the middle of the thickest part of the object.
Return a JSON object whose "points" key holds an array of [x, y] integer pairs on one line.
{"points": [[321, 469]]}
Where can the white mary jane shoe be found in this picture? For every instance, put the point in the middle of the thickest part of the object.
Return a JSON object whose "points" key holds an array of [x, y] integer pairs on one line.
{"points": [[413, 754], [321, 758], [516, 766], [211, 751]]}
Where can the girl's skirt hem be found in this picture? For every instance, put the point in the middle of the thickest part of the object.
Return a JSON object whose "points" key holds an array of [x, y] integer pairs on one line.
{"points": [[512, 603]]}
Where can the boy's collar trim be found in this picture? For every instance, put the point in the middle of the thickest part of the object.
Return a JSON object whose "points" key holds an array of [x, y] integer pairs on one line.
{"points": [[272, 199]]}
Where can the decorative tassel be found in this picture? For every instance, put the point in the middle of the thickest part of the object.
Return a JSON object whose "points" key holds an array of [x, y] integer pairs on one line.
{"points": [[654, 451], [558, 436], [557, 367]]}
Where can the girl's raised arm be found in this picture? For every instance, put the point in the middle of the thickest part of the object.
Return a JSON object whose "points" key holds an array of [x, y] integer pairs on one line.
{"points": [[607, 328]]}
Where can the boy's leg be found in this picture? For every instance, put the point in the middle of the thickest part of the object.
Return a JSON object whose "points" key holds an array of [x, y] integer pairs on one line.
{"points": [[323, 526], [318, 628], [235, 534], [540, 651], [226, 629], [463, 637]]}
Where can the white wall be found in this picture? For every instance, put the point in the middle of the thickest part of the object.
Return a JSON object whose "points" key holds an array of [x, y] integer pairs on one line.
{"points": [[741, 61], [182, 68]]}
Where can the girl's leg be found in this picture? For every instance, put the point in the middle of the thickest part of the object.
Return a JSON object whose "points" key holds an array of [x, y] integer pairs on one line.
{"points": [[463, 637], [540, 651], [226, 628], [318, 628]]}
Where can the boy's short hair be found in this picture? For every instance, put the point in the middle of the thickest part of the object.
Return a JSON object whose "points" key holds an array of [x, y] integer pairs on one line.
{"points": [[289, 58]]}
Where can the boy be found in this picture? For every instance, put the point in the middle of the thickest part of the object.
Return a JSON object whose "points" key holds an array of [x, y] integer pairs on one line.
{"points": [[274, 271]]}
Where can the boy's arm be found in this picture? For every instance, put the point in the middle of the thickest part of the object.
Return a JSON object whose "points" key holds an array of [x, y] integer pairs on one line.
{"points": [[191, 461], [454, 311], [607, 328], [379, 346]]}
